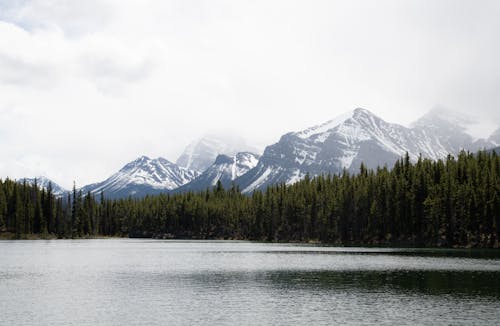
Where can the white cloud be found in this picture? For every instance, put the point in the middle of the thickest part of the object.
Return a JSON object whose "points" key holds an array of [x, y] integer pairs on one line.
{"points": [[86, 86]]}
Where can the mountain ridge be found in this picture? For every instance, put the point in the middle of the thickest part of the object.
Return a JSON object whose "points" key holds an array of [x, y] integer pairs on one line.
{"points": [[225, 169], [201, 153], [143, 176], [355, 137], [330, 147]]}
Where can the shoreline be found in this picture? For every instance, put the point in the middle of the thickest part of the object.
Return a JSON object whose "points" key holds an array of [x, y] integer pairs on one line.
{"points": [[12, 236], [7, 236]]}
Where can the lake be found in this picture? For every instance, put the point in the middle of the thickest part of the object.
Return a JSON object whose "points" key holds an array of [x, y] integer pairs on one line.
{"points": [[156, 282]]}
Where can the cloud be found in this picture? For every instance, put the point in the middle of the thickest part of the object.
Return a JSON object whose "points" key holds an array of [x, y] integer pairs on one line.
{"points": [[73, 17], [88, 85], [22, 58]]}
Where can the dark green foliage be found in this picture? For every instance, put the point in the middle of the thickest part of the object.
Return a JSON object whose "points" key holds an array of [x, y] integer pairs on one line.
{"points": [[451, 202]]}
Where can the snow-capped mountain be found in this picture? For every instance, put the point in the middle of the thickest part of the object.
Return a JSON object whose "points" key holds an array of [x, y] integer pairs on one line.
{"points": [[451, 130], [495, 137], [144, 176], [200, 154], [342, 143], [225, 169], [355, 137], [43, 182]]}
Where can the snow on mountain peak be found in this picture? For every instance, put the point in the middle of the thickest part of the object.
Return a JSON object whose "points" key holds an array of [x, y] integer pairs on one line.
{"points": [[341, 143], [135, 163], [321, 128], [225, 169], [439, 117], [224, 159], [201, 153], [146, 175], [356, 114], [43, 182], [495, 137], [354, 137]]}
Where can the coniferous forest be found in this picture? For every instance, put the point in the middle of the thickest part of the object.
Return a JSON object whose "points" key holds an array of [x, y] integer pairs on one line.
{"points": [[451, 202]]}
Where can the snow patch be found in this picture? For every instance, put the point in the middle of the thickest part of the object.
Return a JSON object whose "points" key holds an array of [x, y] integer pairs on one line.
{"points": [[325, 126], [263, 177], [296, 177]]}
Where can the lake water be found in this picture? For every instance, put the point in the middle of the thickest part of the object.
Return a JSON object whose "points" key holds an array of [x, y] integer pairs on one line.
{"points": [[154, 282]]}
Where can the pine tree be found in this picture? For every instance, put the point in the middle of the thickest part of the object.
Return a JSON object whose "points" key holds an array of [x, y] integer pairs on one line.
{"points": [[3, 209]]}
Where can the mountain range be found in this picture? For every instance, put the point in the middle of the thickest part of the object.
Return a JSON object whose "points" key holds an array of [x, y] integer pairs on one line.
{"points": [[342, 143], [355, 137]]}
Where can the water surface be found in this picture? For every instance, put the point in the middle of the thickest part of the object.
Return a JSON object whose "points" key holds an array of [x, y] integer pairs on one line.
{"points": [[153, 282]]}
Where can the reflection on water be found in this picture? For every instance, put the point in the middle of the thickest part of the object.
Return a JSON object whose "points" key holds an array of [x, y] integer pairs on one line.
{"points": [[136, 282], [418, 282]]}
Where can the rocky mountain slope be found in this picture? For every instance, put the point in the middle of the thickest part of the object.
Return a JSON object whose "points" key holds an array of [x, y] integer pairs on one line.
{"points": [[143, 176], [225, 169], [201, 154], [342, 143], [355, 137]]}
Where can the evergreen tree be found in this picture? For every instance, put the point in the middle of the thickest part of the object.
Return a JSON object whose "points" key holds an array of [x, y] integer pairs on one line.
{"points": [[451, 202]]}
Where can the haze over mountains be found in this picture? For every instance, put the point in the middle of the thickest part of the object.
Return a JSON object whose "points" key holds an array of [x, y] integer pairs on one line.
{"points": [[225, 169], [342, 143], [201, 153]]}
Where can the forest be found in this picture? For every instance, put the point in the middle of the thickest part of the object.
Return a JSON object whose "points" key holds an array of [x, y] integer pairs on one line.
{"points": [[452, 202]]}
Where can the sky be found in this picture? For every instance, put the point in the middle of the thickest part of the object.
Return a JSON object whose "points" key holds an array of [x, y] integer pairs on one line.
{"points": [[87, 86]]}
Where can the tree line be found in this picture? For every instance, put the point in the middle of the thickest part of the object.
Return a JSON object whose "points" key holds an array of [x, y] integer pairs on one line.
{"points": [[449, 202]]}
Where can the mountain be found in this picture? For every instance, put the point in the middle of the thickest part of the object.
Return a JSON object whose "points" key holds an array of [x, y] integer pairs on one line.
{"points": [[225, 169], [201, 154], [141, 177], [451, 130], [355, 137], [43, 182], [495, 149], [495, 137]]}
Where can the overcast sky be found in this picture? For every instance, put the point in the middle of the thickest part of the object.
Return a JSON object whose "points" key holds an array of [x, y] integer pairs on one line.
{"points": [[86, 86]]}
